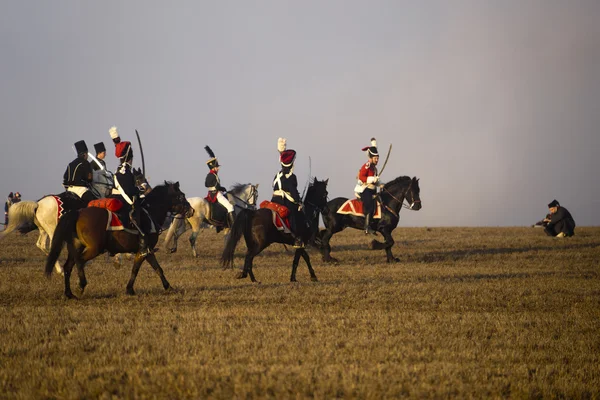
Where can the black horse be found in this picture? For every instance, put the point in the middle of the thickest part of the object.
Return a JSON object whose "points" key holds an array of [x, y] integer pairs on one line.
{"points": [[392, 197], [259, 232], [84, 232]]}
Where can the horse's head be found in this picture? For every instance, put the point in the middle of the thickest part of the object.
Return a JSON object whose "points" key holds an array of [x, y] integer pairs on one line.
{"points": [[244, 193], [252, 195], [403, 189], [412, 195], [140, 181], [177, 200], [316, 194]]}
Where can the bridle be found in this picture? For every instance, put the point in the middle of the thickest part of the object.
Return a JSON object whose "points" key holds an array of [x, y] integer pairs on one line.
{"points": [[405, 193], [251, 203]]}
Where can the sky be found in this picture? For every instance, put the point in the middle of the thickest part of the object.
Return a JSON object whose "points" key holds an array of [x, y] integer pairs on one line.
{"points": [[494, 105]]}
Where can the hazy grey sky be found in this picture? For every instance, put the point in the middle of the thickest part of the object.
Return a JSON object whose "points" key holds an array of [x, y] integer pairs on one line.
{"points": [[494, 105]]}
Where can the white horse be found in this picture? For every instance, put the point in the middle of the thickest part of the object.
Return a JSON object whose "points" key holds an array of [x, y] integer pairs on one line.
{"points": [[242, 196], [45, 213]]}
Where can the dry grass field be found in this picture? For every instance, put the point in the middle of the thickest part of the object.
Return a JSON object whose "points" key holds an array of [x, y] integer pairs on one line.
{"points": [[467, 312]]}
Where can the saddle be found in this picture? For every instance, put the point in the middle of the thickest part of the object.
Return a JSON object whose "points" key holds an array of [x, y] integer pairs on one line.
{"points": [[67, 201], [217, 215], [355, 207], [117, 214], [280, 215]]}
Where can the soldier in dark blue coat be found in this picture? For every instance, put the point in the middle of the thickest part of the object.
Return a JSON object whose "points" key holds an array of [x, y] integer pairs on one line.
{"points": [[128, 192], [285, 192], [561, 223], [78, 175], [215, 189]]}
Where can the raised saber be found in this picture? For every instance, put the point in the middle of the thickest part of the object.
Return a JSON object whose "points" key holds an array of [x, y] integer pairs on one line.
{"points": [[96, 160], [141, 153], [386, 160]]}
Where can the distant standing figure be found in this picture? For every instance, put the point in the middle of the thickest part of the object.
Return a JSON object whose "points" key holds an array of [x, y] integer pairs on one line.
{"points": [[561, 223], [9, 202]]}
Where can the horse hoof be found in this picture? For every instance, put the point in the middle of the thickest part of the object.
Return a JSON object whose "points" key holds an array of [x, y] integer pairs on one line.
{"points": [[130, 292], [171, 251], [314, 279], [240, 275], [71, 296]]}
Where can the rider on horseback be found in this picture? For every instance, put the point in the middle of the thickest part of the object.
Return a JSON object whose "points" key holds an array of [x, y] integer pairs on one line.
{"points": [[78, 175], [99, 163], [285, 191], [129, 192], [366, 188], [215, 190]]}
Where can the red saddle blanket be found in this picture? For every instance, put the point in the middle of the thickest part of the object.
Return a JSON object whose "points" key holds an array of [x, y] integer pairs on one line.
{"points": [[280, 214], [355, 207], [113, 205]]}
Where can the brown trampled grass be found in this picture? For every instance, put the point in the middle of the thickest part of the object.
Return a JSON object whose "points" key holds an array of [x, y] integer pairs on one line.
{"points": [[467, 312]]}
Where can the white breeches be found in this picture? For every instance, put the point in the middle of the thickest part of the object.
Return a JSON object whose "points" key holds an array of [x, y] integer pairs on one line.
{"points": [[224, 202], [78, 190]]}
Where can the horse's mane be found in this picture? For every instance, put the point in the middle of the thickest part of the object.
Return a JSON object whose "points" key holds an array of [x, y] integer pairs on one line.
{"points": [[239, 188], [398, 180], [159, 190]]}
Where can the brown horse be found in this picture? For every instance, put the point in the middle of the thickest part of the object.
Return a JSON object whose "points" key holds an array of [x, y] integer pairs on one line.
{"points": [[259, 232], [84, 232]]}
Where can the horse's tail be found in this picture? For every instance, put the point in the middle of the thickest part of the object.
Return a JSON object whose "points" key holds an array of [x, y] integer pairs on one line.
{"points": [[240, 226], [22, 213], [63, 233]]}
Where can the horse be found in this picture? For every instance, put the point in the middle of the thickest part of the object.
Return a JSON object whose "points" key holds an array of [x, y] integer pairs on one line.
{"points": [[85, 233], [259, 231], [392, 197], [45, 213], [242, 196]]}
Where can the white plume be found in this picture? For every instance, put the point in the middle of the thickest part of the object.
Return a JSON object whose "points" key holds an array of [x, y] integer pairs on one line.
{"points": [[113, 132], [281, 144], [373, 142]]}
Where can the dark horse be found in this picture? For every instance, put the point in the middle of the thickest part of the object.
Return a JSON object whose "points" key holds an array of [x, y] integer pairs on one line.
{"points": [[392, 197], [259, 232], [84, 232]]}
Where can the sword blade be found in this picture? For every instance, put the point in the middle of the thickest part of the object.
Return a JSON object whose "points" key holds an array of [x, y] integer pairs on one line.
{"points": [[386, 159], [141, 153]]}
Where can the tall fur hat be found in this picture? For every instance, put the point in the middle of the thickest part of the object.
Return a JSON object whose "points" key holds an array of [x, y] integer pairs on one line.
{"points": [[114, 134], [212, 162], [123, 149], [554, 203], [287, 157], [81, 147], [99, 147], [372, 149]]}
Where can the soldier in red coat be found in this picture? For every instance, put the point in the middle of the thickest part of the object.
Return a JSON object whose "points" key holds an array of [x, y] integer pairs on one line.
{"points": [[368, 180]]}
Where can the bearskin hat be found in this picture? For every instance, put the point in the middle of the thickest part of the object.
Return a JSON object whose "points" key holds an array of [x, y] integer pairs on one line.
{"points": [[81, 147], [99, 147], [122, 149]]}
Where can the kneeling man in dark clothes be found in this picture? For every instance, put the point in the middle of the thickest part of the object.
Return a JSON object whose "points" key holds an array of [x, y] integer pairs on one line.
{"points": [[560, 223]]}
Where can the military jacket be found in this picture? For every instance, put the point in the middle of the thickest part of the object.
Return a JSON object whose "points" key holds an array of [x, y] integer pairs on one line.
{"points": [[78, 173]]}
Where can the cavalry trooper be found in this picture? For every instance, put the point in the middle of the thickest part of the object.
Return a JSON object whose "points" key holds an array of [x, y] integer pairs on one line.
{"points": [[114, 135], [366, 187], [128, 191], [78, 175], [99, 163], [213, 183], [285, 191]]}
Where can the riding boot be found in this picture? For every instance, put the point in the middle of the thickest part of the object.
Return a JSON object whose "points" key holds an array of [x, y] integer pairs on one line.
{"points": [[298, 244], [230, 219], [144, 250], [368, 229]]}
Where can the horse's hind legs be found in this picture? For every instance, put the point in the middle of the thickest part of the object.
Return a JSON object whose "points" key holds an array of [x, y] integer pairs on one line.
{"points": [[137, 263], [295, 264], [68, 268], [192, 240]]}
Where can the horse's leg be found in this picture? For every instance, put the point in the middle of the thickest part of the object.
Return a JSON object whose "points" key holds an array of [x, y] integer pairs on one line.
{"points": [[295, 264], [192, 240], [326, 247], [137, 263], [67, 268], [313, 276], [389, 242], [151, 258]]}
